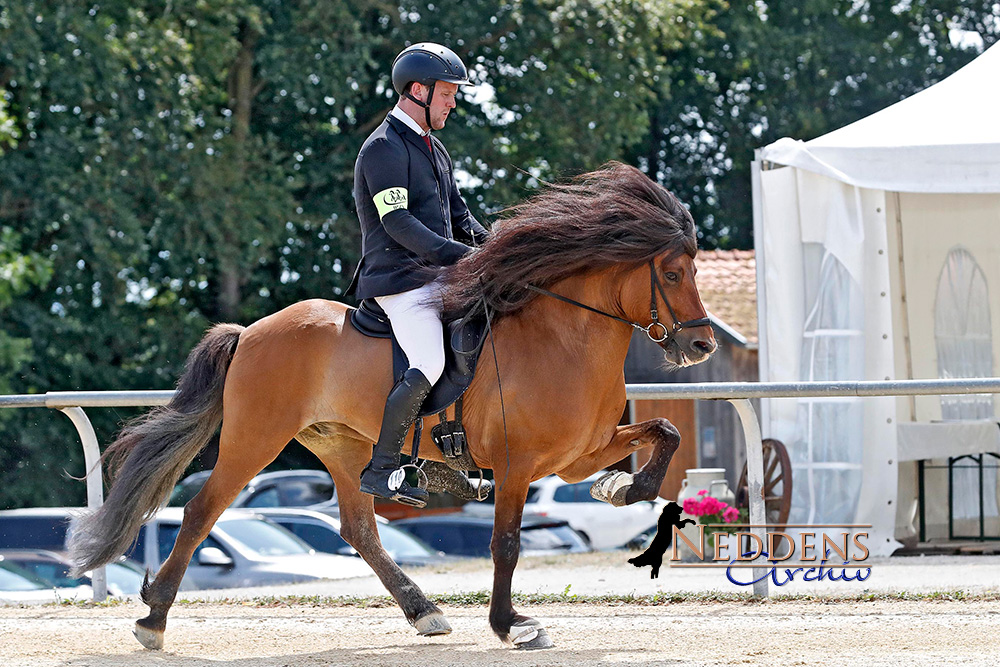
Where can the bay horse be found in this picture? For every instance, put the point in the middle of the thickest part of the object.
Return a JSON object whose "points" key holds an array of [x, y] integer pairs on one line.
{"points": [[612, 247]]}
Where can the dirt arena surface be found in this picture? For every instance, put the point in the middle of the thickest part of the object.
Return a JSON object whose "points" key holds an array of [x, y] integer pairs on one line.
{"points": [[714, 633]]}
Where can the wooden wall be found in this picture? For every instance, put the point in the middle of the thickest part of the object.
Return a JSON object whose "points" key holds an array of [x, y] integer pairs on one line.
{"points": [[711, 433], [681, 414]]}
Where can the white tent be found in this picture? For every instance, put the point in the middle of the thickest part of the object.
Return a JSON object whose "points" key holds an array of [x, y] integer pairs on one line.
{"points": [[877, 247]]}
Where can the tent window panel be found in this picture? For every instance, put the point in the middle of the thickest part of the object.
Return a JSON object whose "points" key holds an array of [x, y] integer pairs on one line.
{"points": [[827, 456], [963, 336], [837, 494], [830, 350], [841, 444]]}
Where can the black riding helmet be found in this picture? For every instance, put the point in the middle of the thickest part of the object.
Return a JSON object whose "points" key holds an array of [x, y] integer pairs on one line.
{"points": [[427, 63]]}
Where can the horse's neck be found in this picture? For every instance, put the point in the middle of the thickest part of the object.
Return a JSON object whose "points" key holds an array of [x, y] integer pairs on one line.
{"points": [[563, 334]]}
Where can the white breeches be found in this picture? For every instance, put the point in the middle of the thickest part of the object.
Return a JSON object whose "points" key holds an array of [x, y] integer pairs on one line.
{"points": [[416, 322]]}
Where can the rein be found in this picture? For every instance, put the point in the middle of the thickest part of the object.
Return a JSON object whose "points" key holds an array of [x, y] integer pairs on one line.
{"points": [[654, 287]]}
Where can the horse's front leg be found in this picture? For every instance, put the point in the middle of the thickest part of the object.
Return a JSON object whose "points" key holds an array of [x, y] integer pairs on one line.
{"points": [[521, 631], [622, 488]]}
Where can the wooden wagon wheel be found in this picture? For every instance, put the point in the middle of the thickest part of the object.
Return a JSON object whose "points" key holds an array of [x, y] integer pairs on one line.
{"points": [[777, 484]]}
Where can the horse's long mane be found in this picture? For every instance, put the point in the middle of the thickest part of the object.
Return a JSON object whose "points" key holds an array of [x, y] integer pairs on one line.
{"points": [[614, 215]]}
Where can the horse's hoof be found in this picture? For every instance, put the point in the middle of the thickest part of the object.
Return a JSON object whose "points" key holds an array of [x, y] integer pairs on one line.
{"points": [[151, 639], [612, 488], [528, 635], [432, 624], [541, 640]]}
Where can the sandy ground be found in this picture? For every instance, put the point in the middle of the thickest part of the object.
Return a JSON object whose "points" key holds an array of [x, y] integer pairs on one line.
{"points": [[789, 633], [825, 631]]}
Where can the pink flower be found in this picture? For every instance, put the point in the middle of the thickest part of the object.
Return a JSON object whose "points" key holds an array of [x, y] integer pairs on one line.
{"points": [[692, 507], [730, 515], [703, 492], [712, 506]]}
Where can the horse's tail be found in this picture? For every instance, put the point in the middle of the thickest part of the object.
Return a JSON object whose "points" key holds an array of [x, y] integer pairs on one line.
{"points": [[152, 452]]}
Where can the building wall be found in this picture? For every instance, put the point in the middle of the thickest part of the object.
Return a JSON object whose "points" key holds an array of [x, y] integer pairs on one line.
{"points": [[716, 430]]}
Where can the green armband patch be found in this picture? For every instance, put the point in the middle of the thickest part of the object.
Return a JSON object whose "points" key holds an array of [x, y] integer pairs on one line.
{"points": [[389, 200]]}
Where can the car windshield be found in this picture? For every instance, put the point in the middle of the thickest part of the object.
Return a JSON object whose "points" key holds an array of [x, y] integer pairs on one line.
{"points": [[546, 538], [264, 538], [13, 578], [398, 543], [53, 572], [184, 492], [123, 579]]}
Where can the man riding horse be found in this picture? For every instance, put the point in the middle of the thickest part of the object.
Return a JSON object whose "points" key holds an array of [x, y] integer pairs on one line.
{"points": [[568, 276], [411, 213]]}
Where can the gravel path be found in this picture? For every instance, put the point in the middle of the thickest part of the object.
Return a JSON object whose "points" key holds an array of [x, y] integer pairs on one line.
{"points": [[824, 631], [796, 633]]}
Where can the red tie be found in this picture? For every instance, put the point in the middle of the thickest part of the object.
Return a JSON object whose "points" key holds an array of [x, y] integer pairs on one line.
{"points": [[427, 140]]}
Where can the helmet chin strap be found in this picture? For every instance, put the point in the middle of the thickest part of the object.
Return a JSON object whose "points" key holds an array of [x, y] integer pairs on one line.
{"points": [[426, 105]]}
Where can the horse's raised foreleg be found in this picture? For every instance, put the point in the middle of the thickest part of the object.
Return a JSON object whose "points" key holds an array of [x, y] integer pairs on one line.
{"points": [[621, 488], [357, 516], [521, 631], [244, 450]]}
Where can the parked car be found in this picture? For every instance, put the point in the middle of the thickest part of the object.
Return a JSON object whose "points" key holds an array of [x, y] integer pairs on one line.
{"points": [[243, 549], [283, 488], [603, 525], [321, 530], [467, 535], [20, 585], [124, 578], [36, 528]]}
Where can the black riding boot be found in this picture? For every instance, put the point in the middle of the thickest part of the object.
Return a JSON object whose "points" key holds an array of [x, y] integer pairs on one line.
{"points": [[382, 476]]}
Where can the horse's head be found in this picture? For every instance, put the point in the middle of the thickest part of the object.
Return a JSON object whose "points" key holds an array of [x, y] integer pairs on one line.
{"points": [[664, 297]]}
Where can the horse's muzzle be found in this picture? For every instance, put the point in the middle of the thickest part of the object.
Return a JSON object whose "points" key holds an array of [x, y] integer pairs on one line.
{"points": [[687, 350]]}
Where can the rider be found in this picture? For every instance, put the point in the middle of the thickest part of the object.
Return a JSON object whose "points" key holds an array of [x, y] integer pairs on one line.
{"points": [[411, 213]]}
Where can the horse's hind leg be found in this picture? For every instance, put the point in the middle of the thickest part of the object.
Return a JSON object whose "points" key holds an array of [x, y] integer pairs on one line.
{"points": [[344, 458], [244, 450], [622, 488]]}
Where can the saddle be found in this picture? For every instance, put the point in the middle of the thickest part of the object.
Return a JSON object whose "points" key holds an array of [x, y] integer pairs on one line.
{"points": [[464, 338]]}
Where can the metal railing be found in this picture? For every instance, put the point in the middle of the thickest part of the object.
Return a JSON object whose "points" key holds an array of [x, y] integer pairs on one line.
{"points": [[737, 393]]}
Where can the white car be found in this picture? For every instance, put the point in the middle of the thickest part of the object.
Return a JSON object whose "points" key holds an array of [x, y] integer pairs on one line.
{"points": [[603, 525]]}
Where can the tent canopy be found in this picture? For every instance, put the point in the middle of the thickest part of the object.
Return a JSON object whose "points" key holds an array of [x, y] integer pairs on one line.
{"points": [[944, 139]]}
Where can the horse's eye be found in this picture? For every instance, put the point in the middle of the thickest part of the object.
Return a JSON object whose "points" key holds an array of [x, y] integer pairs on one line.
{"points": [[672, 276]]}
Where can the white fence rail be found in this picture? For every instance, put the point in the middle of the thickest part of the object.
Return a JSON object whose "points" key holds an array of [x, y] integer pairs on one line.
{"points": [[738, 394]]}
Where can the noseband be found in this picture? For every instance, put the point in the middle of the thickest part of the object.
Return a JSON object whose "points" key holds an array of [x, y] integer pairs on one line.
{"points": [[654, 287]]}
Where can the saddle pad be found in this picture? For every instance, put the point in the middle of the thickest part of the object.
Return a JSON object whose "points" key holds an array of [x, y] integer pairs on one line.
{"points": [[463, 344]]}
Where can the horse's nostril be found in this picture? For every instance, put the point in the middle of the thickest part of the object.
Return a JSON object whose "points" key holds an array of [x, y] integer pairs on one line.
{"points": [[704, 346]]}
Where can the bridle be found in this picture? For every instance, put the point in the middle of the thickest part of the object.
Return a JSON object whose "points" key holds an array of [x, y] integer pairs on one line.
{"points": [[654, 287]]}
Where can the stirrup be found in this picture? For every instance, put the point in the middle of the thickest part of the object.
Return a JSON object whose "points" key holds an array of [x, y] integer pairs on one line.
{"points": [[395, 487]]}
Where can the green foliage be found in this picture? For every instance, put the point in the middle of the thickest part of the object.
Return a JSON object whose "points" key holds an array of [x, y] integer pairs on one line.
{"points": [[164, 166], [764, 70]]}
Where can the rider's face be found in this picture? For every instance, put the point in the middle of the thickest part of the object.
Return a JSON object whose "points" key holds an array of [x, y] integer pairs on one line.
{"points": [[442, 104]]}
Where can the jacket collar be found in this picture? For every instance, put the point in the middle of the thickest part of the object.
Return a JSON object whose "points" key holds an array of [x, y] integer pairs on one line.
{"points": [[409, 135], [401, 115]]}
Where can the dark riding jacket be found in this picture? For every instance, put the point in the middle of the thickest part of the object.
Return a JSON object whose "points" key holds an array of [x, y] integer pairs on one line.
{"points": [[410, 209]]}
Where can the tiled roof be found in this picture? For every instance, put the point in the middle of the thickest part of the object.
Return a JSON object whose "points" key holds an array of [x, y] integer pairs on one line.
{"points": [[727, 282]]}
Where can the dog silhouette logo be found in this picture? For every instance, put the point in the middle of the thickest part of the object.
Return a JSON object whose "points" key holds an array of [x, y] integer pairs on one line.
{"points": [[653, 556]]}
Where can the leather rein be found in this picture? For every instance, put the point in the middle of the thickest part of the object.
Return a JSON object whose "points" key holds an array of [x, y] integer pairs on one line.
{"points": [[654, 287]]}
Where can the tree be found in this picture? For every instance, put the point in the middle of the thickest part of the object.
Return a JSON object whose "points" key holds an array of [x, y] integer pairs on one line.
{"points": [[182, 163], [762, 71]]}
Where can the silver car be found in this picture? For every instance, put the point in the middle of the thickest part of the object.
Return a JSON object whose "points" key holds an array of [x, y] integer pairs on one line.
{"points": [[321, 530], [242, 550]]}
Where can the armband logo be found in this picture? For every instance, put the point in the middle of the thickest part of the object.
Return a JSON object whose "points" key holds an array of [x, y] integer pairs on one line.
{"points": [[390, 200]]}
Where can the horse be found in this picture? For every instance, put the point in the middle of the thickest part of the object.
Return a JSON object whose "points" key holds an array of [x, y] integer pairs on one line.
{"points": [[566, 276]]}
